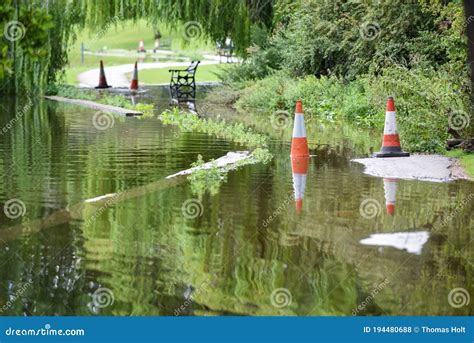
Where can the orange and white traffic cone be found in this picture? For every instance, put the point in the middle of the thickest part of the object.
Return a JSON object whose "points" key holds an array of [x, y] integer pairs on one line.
{"points": [[299, 167], [141, 46], [102, 79], [391, 140], [299, 142], [134, 84], [390, 190]]}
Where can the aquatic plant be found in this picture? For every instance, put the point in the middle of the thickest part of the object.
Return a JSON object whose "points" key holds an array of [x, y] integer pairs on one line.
{"points": [[236, 132], [210, 179]]}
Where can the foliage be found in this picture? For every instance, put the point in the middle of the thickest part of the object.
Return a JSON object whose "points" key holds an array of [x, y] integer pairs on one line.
{"points": [[350, 38], [210, 178], [424, 98], [236, 132], [50, 27]]}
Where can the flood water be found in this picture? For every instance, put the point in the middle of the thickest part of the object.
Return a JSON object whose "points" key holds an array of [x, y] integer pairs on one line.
{"points": [[251, 249]]}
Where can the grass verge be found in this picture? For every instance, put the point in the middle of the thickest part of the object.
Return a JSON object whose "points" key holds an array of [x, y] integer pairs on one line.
{"points": [[465, 159]]}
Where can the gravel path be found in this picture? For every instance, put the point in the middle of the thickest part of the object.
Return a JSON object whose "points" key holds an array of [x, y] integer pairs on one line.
{"points": [[436, 168]]}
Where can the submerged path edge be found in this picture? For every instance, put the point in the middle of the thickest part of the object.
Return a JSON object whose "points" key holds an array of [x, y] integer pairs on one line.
{"points": [[96, 105], [76, 211], [434, 168]]}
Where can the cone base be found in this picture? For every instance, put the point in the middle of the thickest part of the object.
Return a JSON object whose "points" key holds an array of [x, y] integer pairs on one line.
{"points": [[392, 154], [102, 87]]}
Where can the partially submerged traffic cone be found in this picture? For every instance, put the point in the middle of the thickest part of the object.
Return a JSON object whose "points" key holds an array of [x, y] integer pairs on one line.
{"points": [[299, 142], [299, 167], [391, 140], [134, 84], [141, 46], [102, 79], [390, 190]]}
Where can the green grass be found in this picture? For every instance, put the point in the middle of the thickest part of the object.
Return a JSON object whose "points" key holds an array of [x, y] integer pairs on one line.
{"points": [[125, 36], [466, 160], [156, 76]]}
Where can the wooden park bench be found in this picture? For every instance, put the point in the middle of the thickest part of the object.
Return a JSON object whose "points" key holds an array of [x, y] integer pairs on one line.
{"points": [[183, 82]]}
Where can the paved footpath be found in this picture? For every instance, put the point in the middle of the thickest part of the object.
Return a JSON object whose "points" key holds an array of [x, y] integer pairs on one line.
{"points": [[436, 168], [117, 75]]}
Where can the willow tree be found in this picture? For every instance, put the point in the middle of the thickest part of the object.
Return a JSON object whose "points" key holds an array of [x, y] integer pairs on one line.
{"points": [[37, 33]]}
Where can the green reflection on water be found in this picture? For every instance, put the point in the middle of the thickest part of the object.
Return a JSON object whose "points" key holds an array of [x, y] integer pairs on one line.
{"points": [[231, 258]]}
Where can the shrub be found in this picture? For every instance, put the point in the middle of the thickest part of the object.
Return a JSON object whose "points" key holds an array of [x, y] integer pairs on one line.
{"points": [[424, 98]]}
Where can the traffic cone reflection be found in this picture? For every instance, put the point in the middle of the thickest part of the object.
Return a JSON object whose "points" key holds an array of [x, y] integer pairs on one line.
{"points": [[141, 46], [391, 140], [299, 167], [390, 190], [134, 84], [299, 142], [102, 79]]}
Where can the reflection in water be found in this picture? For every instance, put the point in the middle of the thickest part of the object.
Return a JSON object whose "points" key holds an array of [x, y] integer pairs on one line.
{"points": [[299, 167], [412, 242], [155, 261], [390, 190]]}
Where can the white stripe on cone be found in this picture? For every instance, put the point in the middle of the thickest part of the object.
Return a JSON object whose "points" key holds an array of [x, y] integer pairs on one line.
{"points": [[390, 127], [299, 130], [135, 74]]}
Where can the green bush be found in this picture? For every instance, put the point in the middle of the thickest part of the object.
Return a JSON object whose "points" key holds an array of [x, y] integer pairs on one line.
{"points": [[424, 98]]}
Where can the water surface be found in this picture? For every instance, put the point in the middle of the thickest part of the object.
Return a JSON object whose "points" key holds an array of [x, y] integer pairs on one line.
{"points": [[248, 251]]}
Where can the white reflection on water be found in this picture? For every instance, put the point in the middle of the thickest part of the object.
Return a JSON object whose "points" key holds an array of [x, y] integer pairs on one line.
{"points": [[410, 241]]}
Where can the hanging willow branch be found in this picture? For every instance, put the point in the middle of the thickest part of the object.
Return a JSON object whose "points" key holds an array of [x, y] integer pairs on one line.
{"points": [[40, 32]]}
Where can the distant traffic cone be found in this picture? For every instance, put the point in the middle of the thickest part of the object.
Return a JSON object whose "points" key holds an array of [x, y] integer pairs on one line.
{"points": [[141, 46], [391, 140], [102, 79], [134, 84], [299, 167], [299, 142], [390, 190]]}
